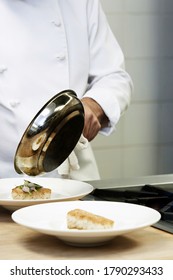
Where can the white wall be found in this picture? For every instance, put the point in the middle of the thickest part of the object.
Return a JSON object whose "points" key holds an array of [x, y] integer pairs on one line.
{"points": [[143, 142]]}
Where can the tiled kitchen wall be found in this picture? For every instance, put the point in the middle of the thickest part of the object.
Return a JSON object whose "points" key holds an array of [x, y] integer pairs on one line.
{"points": [[143, 141]]}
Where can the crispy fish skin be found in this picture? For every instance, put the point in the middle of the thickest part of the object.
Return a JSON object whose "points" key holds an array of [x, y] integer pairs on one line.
{"points": [[41, 193], [84, 220]]}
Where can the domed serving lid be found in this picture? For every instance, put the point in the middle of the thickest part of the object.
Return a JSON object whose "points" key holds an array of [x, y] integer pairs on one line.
{"points": [[51, 136]]}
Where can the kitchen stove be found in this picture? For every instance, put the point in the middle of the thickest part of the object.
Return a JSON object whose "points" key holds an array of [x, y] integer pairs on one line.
{"points": [[158, 197]]}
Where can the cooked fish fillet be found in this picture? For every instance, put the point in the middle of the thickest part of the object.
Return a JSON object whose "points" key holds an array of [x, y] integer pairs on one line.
{"points": [[83, 220], [41, 193]]}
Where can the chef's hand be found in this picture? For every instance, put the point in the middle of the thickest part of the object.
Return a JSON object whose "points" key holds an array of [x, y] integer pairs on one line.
{"points": [[95, 118]]}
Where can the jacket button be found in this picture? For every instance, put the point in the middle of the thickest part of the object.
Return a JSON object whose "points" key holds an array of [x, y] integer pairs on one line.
{"points": [[2, 69], [61, 57], [56, 23], [14, 103]]}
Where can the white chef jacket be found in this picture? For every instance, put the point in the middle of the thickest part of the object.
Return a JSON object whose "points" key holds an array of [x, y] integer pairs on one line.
{"points": [[47, 46]]}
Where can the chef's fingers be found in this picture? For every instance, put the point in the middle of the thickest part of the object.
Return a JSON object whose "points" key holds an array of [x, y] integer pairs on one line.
{"points": [[91, 124]]}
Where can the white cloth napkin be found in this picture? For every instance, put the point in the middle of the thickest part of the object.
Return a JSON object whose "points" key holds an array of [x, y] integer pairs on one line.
{"points": [[71, 163]]}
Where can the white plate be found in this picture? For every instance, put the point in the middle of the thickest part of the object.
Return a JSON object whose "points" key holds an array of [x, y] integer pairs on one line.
{"points": [[51, 219], [62, 189]]}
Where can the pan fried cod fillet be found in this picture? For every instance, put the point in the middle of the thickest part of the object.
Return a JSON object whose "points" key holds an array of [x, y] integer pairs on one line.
{"points": [[83, 220], [30, 190]]}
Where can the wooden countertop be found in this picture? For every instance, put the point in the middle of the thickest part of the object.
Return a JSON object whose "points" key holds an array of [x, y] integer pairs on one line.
{"points": [[18, 242]]}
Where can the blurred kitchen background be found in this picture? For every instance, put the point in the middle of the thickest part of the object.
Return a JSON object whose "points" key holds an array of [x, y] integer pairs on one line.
{"points": [[143, 142]]}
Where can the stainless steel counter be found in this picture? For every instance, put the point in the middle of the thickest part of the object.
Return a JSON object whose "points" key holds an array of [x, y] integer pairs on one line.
{"points": [[132, 181]]}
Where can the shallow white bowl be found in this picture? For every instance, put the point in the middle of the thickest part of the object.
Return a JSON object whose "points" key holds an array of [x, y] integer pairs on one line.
{"points": [[62, 190], [51, 219]]}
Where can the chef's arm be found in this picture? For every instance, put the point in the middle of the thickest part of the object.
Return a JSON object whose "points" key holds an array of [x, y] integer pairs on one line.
{"points": [[95, 118], [108, 82]]}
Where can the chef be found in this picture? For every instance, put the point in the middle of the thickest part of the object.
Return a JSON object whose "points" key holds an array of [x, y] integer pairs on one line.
{"points": [[47, 46]]}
